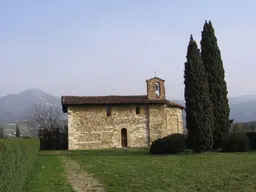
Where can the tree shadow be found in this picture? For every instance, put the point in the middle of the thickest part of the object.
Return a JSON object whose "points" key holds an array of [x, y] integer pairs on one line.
{"points": [[100, 152]]}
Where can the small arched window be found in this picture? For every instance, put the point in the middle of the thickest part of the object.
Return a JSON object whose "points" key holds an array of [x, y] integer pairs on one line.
{"points": [[108, 111], [157, 89]]}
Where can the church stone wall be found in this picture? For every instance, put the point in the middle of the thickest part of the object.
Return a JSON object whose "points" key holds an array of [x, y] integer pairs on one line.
{"points": [[90, 127], [164, 120], [157, 121], [174, 120]]}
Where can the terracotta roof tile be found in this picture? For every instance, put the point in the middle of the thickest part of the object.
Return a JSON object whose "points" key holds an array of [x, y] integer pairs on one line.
{"points": [[113, 99], [174, 104], [155, 78]]}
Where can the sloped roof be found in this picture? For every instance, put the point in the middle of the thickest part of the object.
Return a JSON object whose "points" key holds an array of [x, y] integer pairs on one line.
{"points": [[113, 99], [155, 78]]}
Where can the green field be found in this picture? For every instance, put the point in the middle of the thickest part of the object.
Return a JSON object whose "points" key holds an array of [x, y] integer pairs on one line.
{"points": [[131, 171], [47, 176], [135, 170]]}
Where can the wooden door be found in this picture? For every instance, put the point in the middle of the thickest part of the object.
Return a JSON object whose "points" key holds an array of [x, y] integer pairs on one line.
{"points": [[124, 137]]}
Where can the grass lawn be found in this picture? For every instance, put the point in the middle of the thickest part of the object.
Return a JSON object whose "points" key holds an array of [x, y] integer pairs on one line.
{"points": [[47, 176], [136, 170]]}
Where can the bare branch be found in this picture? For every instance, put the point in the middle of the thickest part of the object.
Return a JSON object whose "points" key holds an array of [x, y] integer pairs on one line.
{"points": [[45, 117]]}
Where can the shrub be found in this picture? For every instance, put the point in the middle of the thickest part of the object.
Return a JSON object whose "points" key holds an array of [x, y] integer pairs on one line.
{"points": [[252, 140], [174, 143], [235, 143], [159, 146], [16, 159], [55, 139]]}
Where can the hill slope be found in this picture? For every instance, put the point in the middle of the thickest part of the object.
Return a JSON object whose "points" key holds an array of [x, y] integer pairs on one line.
{"points": [[18, 106], [242, 108]]}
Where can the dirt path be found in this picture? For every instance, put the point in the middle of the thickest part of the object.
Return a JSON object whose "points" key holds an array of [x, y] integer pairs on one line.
{"points": [[79, 179]]}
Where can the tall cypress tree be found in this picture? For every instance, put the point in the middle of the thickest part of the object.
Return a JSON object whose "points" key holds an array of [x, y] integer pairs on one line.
{"points": [[199, 113], [211, 56], [17, 131], [1, 132]]}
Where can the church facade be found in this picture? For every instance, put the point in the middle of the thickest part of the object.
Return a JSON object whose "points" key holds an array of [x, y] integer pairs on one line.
{"points": [[121, 121]]}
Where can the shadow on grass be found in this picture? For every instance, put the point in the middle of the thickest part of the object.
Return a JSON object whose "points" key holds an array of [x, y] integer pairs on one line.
{"points": [[123, 152], [100, 152]]}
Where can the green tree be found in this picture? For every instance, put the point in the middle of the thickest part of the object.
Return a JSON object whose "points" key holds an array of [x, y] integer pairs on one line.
{"points": [[17, 131], [213, 64], [1, 132], [251, 127], [199, 114], [238, 127]]}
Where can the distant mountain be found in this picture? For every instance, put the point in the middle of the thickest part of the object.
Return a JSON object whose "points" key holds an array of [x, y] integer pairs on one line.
{"points": [[19, 106], [242, 108]]}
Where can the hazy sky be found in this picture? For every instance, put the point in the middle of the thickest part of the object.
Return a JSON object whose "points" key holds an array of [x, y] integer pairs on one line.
{"points": [[104, 47]]}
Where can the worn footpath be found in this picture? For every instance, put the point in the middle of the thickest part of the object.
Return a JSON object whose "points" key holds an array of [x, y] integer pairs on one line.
{"points": [[79, 179]]}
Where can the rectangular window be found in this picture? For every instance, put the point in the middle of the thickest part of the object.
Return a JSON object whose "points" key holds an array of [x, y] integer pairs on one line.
{"points": [[108, 111], [138, 110]]}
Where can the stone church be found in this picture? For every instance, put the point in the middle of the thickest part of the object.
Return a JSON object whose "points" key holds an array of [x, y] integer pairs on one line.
{"points": [[121, 121]]}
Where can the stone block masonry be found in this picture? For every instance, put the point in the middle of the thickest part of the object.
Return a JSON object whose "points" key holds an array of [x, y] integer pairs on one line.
{"points": [[89, 127]]}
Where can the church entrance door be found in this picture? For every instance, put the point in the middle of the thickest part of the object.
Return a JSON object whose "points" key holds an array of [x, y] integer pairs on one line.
{"points": [[124, 137]]}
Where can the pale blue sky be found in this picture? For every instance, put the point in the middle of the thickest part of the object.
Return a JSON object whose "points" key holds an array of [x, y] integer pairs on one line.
{"points": [[104, 47]]}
